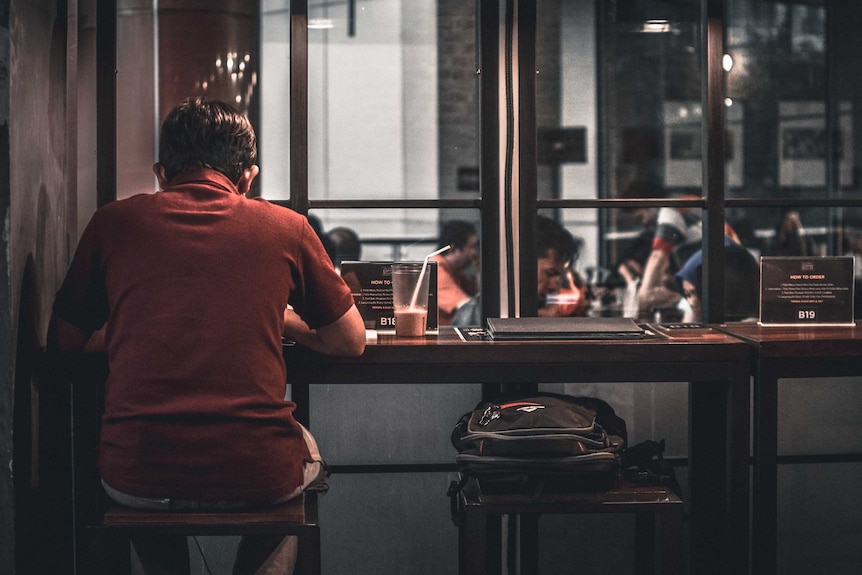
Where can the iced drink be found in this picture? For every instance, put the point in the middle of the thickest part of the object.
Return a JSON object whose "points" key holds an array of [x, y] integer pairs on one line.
{"points": [[411, 322], [410, 298]]}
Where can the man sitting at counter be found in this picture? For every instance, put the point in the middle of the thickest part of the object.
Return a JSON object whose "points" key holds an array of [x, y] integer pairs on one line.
{"points": [[195, 286], [559, 288]]}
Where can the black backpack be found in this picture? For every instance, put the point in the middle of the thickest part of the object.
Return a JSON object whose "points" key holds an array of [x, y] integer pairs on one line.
{"points": [[542, 442]]}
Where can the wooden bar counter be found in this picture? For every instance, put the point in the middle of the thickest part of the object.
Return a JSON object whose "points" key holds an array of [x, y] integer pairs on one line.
{"points": [[714, 363]]}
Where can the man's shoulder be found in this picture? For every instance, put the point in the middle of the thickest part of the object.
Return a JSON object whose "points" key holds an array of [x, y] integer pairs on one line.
{"points": [[264, 208], [131, 204]]}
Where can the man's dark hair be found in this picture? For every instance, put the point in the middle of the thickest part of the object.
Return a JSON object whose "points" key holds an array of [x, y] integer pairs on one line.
{"points": [[456, 233], [551, 235], [203, 133]]}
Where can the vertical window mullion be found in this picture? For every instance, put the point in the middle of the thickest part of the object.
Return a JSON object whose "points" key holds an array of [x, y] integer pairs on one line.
{"points": [[712, 94], [488, 24], [299, 106], [527, 155]]}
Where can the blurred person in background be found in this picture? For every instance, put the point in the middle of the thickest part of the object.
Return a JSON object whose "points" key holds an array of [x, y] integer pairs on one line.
{"points": [[457, 268]]}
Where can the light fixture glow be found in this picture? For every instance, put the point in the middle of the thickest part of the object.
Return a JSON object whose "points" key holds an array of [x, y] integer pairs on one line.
{"points": [[320, 23], [654, 26], [726, 62], [728, 102]]}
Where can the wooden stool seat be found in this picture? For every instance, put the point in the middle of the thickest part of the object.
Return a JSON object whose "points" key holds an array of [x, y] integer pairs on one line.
{"points": [[481, 524], [296, 517]]}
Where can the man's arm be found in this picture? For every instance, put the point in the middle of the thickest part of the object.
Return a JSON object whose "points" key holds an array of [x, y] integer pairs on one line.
{"points": [[652, 293], [344, 336], [64, 336]]}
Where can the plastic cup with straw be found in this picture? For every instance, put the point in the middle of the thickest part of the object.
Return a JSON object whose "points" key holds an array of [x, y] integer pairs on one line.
{"points": [[409, 281]]}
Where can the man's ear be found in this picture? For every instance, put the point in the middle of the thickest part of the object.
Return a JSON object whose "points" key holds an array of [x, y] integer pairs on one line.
{"points": [[159, 171], [247, 177]]}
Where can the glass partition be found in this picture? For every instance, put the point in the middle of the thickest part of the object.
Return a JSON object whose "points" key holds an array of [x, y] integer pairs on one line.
{"points": [[566, 114], [392, 100], [649, 92], [401, 234], [274, 135], [777, 74]]}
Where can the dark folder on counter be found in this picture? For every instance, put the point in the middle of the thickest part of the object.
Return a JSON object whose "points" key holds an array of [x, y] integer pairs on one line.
{"points": [[566, 328]]}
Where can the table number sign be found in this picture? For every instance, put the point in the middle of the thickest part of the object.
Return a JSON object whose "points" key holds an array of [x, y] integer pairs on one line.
{"points": [[806, 291]]}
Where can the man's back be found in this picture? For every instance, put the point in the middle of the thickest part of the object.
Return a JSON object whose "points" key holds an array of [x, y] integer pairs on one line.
{"points": [[196, 279], [189, 291]]}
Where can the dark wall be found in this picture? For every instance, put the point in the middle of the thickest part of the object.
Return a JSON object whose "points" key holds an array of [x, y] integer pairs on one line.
{"points": [[33, 185], [6, 529]]}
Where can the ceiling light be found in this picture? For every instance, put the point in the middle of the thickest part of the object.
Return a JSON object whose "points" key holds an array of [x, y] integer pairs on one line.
{"points": [[656, 26]]}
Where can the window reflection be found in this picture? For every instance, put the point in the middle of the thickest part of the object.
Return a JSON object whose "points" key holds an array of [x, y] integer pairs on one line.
{"points": [[802, 134], [649, 87]]}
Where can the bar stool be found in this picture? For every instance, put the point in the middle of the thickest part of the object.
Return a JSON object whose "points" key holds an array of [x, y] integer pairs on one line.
{"points": [[481, 524], [109, 539], [103, 528]]}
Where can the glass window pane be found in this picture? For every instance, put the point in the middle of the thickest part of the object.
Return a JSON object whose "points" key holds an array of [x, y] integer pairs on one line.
{"points": [[392, 100], [385, 234], [412, 235], [778, 78], [136, 101], [566, 116], [615, 246], [274, 132], [806, 231], [170, 53], [649, 78]]}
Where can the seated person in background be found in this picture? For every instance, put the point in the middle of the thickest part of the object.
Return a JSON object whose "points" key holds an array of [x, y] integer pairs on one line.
{"points": [[561, 290], [317, 226], [678, 235], [345, 245], [196, 285], [457, 268], [741, 284], [633, 260], [790, 238]]}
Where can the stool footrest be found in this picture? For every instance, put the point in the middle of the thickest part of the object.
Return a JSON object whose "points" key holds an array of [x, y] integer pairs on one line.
{"points": [[291, 512]]}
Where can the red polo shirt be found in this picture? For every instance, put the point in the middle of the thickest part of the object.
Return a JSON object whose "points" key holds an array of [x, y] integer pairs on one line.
{"points": [[192, 282]]}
